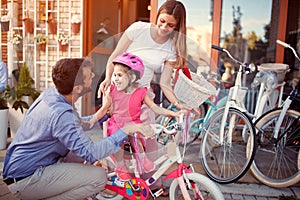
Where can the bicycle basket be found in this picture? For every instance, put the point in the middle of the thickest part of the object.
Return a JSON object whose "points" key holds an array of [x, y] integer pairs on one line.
{"points": [[280, 69], [193, 92]]}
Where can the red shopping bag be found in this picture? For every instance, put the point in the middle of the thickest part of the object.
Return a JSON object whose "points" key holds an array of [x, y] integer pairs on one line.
{"points": [[185, 70]]}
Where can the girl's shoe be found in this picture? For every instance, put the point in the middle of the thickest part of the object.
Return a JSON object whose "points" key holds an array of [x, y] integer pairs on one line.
{"points": [[148, 165], [122, 173]]}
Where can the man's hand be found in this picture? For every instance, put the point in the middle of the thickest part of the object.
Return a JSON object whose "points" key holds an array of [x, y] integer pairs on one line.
{"points": [[145, 130]]}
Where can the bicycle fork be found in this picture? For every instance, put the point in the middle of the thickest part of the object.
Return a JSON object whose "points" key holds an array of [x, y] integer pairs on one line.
{"points": [[184, 183]]}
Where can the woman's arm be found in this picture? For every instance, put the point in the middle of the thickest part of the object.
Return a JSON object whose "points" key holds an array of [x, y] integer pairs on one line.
{"points": [[165, 85], [165, 82], [159, 110]]}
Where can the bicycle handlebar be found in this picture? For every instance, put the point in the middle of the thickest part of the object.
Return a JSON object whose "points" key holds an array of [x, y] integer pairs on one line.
{"points": [[288, 46], [250, 67], [217, 48]]}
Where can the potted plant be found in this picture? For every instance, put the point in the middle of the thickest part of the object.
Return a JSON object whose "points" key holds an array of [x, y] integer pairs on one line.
{"points": [[28, 23], [63, 41], [52, 26], [24, 88], [3, 121], [41, 41], [20, 98], [5, 23], [15, 39], [75, 24]]}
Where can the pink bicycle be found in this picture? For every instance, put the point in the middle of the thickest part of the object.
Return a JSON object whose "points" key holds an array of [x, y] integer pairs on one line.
{"points": [[187, 184]]}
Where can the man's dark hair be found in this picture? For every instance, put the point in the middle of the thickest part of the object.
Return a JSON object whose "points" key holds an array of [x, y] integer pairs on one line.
{"points": [[68, 72]]}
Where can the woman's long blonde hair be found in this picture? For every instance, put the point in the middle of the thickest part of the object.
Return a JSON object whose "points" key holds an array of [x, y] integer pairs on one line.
{"points": [[177, 10]]}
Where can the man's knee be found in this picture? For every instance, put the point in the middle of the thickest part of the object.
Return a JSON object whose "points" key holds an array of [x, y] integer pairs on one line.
{"points": [[98, 176]]}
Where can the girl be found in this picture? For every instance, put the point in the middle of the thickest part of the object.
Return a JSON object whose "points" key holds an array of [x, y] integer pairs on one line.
{"points": [[126, 100]]}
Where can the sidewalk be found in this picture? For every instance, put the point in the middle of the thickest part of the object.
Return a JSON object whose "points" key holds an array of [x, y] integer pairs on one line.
{"points": [[247, 188]]}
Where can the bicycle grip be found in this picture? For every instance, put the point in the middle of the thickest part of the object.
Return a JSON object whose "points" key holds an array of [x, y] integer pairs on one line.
{"points": [[217, 48], [282, 43]]}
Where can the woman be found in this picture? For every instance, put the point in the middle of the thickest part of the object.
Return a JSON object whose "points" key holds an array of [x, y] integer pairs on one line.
{"points": [[162, 43], [159, 44]]}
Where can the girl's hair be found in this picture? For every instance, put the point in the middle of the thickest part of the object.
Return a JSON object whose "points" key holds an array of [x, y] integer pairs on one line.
{"points": [[177, 10], [68, 72]]}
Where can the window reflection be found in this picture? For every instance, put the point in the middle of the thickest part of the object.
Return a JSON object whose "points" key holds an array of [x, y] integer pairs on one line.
{"points": [[245, 29], [199, 33]]}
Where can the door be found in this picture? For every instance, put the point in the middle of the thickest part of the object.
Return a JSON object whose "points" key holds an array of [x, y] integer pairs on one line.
{"points": [[101, 27]]}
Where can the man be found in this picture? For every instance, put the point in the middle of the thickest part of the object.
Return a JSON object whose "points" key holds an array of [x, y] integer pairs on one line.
{"points": [[3, 76], [50, 130]]}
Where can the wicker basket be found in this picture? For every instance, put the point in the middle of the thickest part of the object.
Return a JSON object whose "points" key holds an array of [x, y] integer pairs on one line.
{"points": [[193, 92], [280, 69]]}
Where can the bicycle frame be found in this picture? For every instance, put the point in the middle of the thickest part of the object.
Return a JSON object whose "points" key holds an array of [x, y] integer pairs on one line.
{"points": [[263, 96], [232, 102], [212, 108], [286, 104]]}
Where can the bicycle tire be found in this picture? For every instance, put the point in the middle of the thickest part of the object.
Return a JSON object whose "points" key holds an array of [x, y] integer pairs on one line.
{"points": [[194, 130], [207, 187], [275, 172], [225, 162]]}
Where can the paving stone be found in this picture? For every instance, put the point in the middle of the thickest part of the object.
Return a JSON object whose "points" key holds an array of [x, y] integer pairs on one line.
{"points": [[237, 197], [249, 197]]}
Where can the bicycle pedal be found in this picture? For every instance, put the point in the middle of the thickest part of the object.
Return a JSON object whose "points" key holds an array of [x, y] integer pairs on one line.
{"points": [[116, 182], [158, 193]]}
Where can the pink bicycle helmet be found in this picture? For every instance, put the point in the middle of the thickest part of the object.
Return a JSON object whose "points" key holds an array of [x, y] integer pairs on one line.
{"points": [[132, 61]]}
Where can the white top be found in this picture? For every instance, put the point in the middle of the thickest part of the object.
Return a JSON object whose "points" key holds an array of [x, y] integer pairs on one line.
{"points": [[153, 54]]}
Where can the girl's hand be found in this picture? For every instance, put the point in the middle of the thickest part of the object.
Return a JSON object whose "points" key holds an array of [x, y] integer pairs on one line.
{"points": [[88, 123]]}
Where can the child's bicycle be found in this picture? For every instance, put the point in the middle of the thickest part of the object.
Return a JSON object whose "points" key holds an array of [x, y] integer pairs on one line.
{"points": [[186, 184]]}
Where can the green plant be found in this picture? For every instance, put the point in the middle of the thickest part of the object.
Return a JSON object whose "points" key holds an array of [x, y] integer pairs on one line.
{"points": [[40, 39], [14, 38], [63, 38], [3, 102], [24, 88]]}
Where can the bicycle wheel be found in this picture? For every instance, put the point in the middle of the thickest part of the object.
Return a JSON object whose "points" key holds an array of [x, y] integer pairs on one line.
{"points": [[226, 162], [277, 161], [208, 189], [194, 128]]}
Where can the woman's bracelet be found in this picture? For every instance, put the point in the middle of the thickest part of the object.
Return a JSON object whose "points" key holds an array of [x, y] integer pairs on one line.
{"points": [[176, 103]]}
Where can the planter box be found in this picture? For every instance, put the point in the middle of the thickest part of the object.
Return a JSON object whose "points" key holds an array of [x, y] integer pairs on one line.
{"points": [[16, 117], [3, 128]]}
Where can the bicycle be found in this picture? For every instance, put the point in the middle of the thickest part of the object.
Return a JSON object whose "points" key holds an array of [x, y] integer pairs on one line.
{"points": [[279, 142], [186, 183], [228, 134], [196, 124]]}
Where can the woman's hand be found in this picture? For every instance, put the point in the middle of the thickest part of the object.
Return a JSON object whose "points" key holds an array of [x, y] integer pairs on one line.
{"points": [[104, 85]]}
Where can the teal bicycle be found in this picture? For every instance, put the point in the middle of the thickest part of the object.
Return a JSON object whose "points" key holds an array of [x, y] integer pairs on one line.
{"points": [[197, 122]]}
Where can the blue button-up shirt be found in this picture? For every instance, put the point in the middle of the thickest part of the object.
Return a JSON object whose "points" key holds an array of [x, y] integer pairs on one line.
{"points": [[50, 129], [3, 76]]}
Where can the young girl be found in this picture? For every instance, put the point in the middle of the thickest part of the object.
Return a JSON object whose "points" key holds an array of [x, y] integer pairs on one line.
{"points": [[126, 101]]}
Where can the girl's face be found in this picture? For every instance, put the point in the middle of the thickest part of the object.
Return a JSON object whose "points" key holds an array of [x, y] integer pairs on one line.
{"points": [[166, 24], [120, 77]]}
